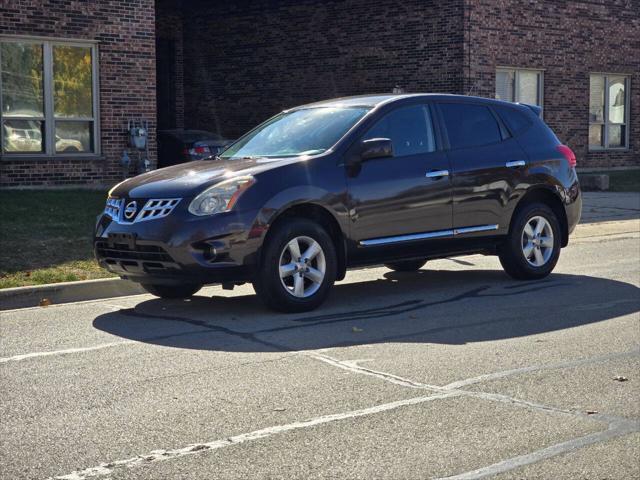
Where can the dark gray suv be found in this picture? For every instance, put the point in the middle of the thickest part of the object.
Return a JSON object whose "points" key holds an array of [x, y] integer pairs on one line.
{"points": [[380, 179]]}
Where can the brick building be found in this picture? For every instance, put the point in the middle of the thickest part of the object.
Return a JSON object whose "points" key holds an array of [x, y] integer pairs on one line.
{"points": [[75, 72]]}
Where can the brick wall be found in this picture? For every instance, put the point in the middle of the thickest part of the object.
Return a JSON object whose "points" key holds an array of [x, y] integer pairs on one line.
{"points": [[125, 30], [568, 40], [249, 60], [169, 26]]}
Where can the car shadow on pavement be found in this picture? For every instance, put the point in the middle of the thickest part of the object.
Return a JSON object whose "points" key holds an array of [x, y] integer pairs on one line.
{"points": [[429, 306]]}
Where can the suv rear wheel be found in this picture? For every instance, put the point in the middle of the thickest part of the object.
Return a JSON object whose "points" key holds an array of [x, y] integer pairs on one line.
{"points": [[532, 248], [406, 265], [172, 291], [298, 267]]}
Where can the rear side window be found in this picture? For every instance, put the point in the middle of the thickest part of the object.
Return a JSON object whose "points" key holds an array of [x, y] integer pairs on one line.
{"points": [[409, 129], [515, 119], [470, 125]]}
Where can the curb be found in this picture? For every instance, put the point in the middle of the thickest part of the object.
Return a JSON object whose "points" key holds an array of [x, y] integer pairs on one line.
{"points": [[24, 297]]}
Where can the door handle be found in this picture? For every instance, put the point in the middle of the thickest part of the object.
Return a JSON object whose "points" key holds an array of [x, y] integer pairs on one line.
{"points": [[437, 173], [515, 164]]}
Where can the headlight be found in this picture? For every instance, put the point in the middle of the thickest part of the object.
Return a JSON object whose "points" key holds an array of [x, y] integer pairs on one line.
{"points": [[221, 197]]}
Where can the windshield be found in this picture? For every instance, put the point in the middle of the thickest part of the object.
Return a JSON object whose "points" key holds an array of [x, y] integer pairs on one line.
{"points": [[309, 131]]}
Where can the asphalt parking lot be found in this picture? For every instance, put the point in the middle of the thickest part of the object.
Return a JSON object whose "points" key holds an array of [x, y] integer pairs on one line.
{"points": [[456, 371]]}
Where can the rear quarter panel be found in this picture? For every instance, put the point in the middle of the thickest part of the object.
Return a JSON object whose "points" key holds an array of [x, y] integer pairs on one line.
{"points": [[546, 168]]}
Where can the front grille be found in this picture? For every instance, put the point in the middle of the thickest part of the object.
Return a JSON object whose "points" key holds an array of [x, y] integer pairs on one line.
{"points": [[157, 208], [121, 251], [118, 209], [113, 207]]}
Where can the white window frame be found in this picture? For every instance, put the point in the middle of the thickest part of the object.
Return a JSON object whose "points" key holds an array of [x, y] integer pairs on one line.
{"points": [[605, 121], [49, 115], [516, 79]]}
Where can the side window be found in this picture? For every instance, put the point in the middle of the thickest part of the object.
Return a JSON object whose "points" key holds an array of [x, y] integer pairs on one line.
{"points": [[409, 128], [469, 125], [515, 120]]}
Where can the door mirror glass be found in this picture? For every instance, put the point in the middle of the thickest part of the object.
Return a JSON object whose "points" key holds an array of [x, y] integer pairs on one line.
{"points": [[376, 148]]}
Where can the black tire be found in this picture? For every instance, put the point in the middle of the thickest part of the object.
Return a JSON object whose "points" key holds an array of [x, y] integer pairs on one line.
{"points": [[172, 291], [511, 252], [267, 282], [406, 265]]}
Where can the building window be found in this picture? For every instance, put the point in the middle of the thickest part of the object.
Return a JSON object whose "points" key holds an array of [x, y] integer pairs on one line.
{"points": [[608, 112], [519, 85], [48, 96]]}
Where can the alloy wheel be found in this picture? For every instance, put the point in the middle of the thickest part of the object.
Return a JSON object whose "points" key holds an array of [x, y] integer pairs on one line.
{"points": [[302, 267], [537, 241]]}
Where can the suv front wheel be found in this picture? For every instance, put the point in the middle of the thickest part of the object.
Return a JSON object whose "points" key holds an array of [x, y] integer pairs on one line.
{"points": [[532, 248], [298, 267]]}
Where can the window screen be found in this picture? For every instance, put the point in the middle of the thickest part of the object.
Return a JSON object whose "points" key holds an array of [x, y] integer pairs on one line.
{"points": [[409, 129], [469, 125]]}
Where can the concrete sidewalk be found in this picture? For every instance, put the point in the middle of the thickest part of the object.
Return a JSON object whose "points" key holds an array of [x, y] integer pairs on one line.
{"points": [[610, 206]]}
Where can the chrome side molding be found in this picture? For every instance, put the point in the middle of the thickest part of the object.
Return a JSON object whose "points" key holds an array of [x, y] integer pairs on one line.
{"points": [[479, 228], [405, 238], [373, 242]]}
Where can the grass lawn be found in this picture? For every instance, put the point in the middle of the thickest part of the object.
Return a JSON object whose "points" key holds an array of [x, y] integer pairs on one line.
{"points": [[46, 236], [624, 180]]}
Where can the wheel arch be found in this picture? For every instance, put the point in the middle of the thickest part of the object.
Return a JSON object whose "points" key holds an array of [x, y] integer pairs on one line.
{"points": [[321, 215], [550, 198]]}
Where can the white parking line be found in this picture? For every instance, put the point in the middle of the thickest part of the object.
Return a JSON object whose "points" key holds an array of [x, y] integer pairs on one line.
{"points": [[25, 356], [352, 365], [614, 430], [161, 455], [535, 368], [617, 426]]}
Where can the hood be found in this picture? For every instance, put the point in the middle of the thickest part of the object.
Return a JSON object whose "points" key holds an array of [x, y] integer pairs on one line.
{"points": [[189, 179]]}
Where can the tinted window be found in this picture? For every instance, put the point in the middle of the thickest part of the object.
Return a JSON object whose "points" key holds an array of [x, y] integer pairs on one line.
{"points": [[515, 119], [409, 129], [469, 125]]}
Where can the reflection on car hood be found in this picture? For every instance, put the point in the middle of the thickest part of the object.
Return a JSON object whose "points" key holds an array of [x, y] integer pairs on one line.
{"points": [[189, 179]]}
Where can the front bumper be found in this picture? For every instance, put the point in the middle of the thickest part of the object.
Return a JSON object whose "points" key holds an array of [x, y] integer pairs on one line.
{"points": [[180, 248]]}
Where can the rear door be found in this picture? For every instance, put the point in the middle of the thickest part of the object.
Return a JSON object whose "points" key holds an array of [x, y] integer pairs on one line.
{"points": [[487, 165]]}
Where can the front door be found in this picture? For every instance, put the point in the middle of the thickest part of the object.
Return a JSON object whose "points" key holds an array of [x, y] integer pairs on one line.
{"points": [[405, 198]]}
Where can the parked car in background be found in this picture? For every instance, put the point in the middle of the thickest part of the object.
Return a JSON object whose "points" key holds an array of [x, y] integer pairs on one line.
{"points": [[179, 146], [389, 179], [29, 140]]}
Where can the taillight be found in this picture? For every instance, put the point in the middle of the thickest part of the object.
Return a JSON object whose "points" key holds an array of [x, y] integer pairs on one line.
{"points": [[201, 150], [568, 154]]}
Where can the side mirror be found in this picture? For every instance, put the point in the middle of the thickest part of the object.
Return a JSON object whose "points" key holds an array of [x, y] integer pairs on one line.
{"points": [[376, 148]]}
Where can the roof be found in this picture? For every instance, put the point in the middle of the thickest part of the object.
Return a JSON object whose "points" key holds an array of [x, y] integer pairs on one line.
{"points": [[374, 100]]}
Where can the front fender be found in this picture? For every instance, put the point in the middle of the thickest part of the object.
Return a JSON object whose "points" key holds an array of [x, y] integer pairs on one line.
{"points": [[298, 196]]}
